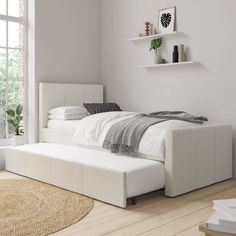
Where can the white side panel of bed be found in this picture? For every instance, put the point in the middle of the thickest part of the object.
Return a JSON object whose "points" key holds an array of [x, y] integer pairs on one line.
{"points": [[112, 183], [103, 184], [61, 136], [197, 157], [53, 95]]}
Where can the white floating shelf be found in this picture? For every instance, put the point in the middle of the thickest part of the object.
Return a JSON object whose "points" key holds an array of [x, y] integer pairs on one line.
{"points": [[144, 38], [169, 64]]}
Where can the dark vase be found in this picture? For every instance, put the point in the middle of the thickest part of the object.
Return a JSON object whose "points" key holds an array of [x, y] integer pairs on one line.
{"points": [[175, 54]]}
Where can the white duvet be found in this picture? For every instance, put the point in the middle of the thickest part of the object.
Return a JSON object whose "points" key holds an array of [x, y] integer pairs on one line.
{"points": [[92, 130]]}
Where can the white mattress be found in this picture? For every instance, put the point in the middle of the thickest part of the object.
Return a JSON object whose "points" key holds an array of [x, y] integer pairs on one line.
{"points": [[91, 131], [142, 175], [69, 125]]}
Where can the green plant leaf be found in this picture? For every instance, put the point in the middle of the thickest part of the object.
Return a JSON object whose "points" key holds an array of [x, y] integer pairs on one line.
{"points": [[10, 112], [12, 123], [155, 44], [19, 119], [19, 110]]}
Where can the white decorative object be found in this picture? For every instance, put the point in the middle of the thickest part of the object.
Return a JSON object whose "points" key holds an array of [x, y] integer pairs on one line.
{"points": [[182, 57], [155, 31], [156, 58], [155, 45], [151, 29], [166, 22], [18, 140]]}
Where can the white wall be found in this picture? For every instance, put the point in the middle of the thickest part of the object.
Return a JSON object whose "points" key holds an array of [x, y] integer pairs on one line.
{"points": [[208, 89], [64, 47]]}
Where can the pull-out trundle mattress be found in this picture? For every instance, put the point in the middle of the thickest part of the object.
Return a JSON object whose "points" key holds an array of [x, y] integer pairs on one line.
{"points": [[97, 174]]}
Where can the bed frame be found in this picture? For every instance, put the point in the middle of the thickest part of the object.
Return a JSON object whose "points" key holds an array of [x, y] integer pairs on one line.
{"points": [[194, 157]]}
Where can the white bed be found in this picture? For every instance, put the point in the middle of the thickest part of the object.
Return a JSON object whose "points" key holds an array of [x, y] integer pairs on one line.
{"points": [[195, 156], [150, 173], [91, 131], [69, 125]]}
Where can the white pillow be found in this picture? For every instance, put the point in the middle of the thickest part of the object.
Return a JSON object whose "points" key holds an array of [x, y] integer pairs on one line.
{"points": [[68, 110], [67, 117]]}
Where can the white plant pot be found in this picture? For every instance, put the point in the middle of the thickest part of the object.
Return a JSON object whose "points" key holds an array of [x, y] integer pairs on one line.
{"points": [[156, 58], [18, 140]]}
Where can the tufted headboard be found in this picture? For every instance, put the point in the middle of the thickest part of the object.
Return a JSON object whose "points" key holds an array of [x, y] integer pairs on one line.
{"points": [[53, 95]]}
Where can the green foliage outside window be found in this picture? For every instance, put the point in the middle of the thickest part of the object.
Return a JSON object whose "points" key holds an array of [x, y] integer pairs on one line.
{"points": [[12, 83]]}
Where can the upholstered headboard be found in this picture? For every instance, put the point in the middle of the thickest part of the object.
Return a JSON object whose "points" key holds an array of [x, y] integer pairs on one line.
{"points": [[52, 95]]}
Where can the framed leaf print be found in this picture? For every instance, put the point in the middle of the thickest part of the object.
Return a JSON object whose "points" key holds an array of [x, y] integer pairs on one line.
{"points": [[167, 20]]}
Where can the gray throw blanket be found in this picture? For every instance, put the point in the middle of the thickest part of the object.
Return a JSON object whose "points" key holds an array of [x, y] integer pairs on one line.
{"points": [[124, 136]]}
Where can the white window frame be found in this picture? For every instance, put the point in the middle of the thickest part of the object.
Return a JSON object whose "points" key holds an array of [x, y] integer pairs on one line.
{"points": [[22, 20]]}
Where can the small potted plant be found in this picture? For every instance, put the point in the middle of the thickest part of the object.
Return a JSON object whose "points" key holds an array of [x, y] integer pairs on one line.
{"points": [[15, 118], [155, 45]]}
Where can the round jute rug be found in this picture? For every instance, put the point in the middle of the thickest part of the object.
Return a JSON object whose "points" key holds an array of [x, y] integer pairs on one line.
{"points": [[32, 208]]}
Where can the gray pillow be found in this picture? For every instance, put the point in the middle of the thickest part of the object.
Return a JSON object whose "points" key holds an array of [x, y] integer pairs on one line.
{"points": [[94, 108]]}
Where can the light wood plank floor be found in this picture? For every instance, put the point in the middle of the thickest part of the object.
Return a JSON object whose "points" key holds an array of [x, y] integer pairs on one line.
{"points": [[154, 215]]}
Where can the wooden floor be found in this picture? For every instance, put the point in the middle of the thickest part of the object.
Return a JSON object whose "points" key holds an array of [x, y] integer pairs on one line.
{"points": [[154, 214]]}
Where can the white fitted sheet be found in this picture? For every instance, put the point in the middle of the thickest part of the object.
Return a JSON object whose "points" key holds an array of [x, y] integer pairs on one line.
{"points": [[142, 175], [69, 125]]}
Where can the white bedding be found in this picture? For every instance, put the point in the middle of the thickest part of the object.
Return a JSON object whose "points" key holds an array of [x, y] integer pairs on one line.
{"points": [[69, 125], [92, 130]]}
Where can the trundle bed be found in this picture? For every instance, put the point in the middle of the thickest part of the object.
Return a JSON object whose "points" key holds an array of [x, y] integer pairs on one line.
{"points": [[195, 156]]}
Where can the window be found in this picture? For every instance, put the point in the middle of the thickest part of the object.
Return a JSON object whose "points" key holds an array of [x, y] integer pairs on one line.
{"points": [[12, 59]]}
